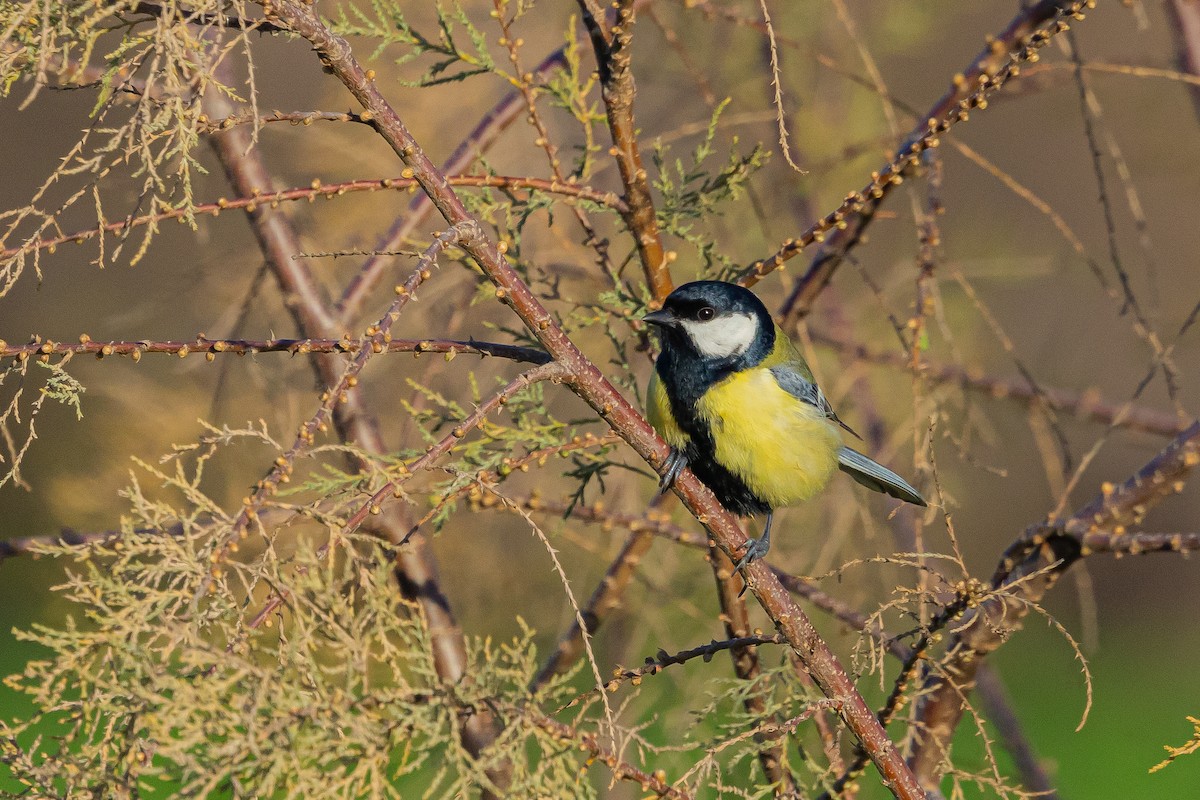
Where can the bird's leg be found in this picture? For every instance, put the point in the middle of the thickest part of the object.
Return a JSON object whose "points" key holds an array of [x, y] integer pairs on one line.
{"points": [[676, 462], [757, 548]]}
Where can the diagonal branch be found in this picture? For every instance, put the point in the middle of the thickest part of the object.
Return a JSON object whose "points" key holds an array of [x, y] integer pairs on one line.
{"points": [[482, 136], [416, 568], [838, 232], [1030, 568], [590, 385]]}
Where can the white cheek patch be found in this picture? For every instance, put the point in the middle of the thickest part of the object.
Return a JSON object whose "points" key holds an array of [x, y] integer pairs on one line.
{"points": [[722, 337]]}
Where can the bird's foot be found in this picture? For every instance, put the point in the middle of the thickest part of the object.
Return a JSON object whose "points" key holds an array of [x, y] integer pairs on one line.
{"points": [[676, 462], [755, 549]]}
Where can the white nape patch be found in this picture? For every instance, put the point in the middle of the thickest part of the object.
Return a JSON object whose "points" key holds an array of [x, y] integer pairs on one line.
{"points": [[722, 337]]}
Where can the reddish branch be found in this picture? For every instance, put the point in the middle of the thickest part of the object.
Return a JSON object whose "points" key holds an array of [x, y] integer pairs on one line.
{"points": [[294, 117], [841, 230], [662, 659], [613, 60], [586, 380], [213, 347], [1030, 567], [187, 16]]}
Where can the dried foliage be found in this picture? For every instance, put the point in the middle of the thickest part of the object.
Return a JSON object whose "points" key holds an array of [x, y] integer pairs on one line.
{"points": [[299, 638]]}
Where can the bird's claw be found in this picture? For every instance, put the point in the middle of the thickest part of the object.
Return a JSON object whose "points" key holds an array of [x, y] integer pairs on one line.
{"points": [[676, 462], [755, 549]]}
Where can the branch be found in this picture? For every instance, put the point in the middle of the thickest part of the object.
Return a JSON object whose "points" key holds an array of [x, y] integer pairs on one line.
{"points": [[1086, 404], [841, 230], [255, 200], [294, 117], [214, 347], [416, 568], [617, 89], [586, 380], [185, 16], [1030, 568]]}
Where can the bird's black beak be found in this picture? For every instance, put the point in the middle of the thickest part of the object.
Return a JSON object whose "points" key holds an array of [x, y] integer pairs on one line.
{"points": [[662, 318]]}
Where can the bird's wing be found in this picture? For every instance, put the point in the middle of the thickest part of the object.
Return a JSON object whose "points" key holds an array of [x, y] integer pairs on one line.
{"points": [[876, 476], [795, 378]]}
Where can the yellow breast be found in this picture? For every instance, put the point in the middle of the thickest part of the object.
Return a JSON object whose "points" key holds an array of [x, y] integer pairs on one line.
{"points": [[658, 413], [784, 449]]}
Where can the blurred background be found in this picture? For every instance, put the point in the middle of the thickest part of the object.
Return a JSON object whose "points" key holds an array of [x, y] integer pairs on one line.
{"points": [[1134, 618]]}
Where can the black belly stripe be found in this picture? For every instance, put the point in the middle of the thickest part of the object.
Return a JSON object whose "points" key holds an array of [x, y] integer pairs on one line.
{"points": [[691, 381]]}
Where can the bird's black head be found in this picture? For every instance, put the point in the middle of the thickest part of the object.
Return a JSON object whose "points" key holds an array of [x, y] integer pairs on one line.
{"points": [[716, 325]]}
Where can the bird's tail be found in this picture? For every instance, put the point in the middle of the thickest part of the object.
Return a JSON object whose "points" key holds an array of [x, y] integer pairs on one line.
{"points": [[878, 477]]}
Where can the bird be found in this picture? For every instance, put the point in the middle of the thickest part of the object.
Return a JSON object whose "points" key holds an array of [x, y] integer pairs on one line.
{"points": [[739, 406]]}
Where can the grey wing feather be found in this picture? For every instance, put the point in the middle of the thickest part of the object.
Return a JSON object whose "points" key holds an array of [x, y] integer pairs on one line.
{"points": [[878, 477], [802, 388]]}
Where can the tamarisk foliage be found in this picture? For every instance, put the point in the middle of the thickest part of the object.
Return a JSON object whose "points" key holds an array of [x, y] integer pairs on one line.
{"points": [[378, 514]]}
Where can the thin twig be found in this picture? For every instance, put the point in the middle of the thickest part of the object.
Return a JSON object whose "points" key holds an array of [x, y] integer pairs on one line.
{"points": [[315, 190], [214, 347]]}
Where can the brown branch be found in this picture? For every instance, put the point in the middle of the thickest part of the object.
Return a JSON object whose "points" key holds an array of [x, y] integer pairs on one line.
{"points": [[839, 231], [1186, 16], [416, 568], [617, 89], [213, 347], [605, 598], [736, 620], [294, 117], [590, 385], [185, 16], [482, 137], [1030, 568], [29, 545], [1086, 404], [662, 659], [1140, 543], [317, 189]]}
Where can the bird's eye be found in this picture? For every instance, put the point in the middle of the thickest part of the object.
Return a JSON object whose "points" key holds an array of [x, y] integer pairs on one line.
{"points": [[706, 313]]}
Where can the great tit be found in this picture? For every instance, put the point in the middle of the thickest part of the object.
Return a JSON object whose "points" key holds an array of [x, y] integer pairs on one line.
{"points": [[738, 404]]}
